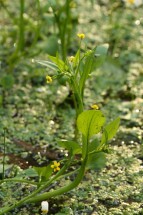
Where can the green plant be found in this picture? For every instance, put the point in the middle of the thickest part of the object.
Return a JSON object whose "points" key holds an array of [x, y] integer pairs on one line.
{"points": [[64, 21], [91, 150], [75, 71], [21, 26], [92, 153]]}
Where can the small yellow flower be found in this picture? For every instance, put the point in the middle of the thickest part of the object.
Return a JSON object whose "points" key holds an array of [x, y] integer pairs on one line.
{"points": [[81, 36], [49, 79], [55, 166], [95, 107], [45, 207], [71, 58]]}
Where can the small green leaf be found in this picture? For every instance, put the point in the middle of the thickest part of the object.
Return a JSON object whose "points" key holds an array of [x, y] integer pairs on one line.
{"points": [[48, 64], [93, 146], [70, 146], [30, 172], [110, 130], [76, 59], [96, 160], [61, 65], [44, 172], [90, 122]]}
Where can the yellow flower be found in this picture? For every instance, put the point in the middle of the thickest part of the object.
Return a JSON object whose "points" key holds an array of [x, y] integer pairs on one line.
{"points": [[45, 207], [81, 36], [71, 58], [49, 79], [55, 166], [95, 107]]}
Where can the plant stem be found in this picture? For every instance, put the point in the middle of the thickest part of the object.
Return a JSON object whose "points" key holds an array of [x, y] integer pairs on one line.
{"points": [[63, 189], [65, 31], [27, 198]]}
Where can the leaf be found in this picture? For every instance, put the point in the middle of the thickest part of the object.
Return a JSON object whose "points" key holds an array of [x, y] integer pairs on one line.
{"points": [[90, 122], [96, 160], [110, 130], [48, 64], [60, 64], [87, 68], [70, 145], [100, 54], [76, 59], [93, 146], [44, 172], [30, 172]]}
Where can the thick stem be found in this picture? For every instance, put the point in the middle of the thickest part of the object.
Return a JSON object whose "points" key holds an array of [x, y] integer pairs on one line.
{"points": [[63, 189], [27, 198]]}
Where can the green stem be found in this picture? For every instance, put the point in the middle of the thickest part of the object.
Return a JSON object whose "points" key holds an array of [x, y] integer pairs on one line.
{"points": [[78, 103], [27, 198], [62, 190], [65, 32], [37, 31]]}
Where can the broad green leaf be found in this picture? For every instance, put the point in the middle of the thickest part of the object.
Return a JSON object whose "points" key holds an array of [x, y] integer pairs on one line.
{"points": [[70, 145], [96, 160], [30, 172], [100, 54], [90, 122], [110, 130], [44, 172]]}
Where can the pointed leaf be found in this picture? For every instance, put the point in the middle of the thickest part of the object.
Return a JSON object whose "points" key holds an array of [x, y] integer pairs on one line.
{"points": [[61, 65], [110, 130], [96, 160], [48, 64], [90, 122], [76, 59], [87, 68]]}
